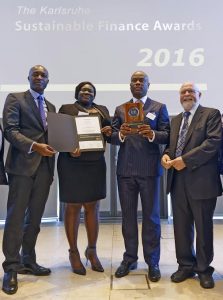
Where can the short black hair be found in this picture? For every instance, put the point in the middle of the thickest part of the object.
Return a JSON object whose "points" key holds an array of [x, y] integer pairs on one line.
{"points": [[79, 86]]}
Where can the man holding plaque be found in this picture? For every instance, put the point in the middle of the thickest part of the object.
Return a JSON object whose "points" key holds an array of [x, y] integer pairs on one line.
{"points": [[139, 127]]}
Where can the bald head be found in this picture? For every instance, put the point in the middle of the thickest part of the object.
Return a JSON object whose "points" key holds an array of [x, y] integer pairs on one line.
{"points": [[139, 84], [189, 85], [38, 78]]}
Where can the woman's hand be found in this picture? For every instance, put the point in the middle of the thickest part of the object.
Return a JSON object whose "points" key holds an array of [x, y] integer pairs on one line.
{"points": [[76, 153], [107, 130]]}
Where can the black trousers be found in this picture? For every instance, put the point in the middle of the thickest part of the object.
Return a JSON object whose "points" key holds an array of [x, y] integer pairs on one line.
{"points": [[190, 214], [26, 202], [129, 190]]}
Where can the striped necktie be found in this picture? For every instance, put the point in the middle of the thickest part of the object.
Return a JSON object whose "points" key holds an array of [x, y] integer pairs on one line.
{"points": [[42, 111], [182, 135]]}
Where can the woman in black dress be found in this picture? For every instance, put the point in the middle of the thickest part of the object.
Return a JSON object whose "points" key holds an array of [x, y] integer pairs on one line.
{"points": [[82, 181]]}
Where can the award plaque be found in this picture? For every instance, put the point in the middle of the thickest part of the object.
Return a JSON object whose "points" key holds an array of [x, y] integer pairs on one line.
{"points": [[134, 115]]}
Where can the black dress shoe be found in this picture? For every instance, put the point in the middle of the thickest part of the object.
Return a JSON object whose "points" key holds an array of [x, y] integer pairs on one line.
{"points": [[154, 273], [34, 269], [125, 268], [10, 284], [206, 279], [181, 275]]}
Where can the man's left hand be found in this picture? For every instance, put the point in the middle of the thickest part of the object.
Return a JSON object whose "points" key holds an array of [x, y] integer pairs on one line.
{"points": [[145, 131], [178, 163]]}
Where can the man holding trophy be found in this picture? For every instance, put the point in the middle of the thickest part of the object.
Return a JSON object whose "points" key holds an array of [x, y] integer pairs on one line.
{"points": [[139, 127]]}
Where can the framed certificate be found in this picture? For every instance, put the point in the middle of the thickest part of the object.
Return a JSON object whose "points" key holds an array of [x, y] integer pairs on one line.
{"points": [[89, 133], [66, 133]]}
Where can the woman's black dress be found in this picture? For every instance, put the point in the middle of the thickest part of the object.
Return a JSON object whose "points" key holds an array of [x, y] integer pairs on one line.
{"points": [[82, 179]]}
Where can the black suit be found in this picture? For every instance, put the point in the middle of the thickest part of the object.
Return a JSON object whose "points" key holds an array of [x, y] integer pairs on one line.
{"points": [[138, 172], [221, 155], [30, 176], [194, 189], [3, 179]]}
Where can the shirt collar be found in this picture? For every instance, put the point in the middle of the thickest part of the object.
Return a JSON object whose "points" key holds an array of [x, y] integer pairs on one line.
{"points": [[193, 110], [143, 99], [35, 94]]}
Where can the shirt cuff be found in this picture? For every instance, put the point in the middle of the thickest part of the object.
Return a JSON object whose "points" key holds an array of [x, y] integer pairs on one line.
{"points": [[122, 139], [1, 139], [30, 149], [153, 138]]}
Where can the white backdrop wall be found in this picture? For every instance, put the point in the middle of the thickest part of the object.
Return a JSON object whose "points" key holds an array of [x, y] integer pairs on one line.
{"points": [[106, 41]]}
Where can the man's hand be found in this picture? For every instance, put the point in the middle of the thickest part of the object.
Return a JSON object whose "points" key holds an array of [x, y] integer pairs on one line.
{"points": [[125, 130], [107, 130], [43, 149], [178, 163], [76, 152], [166, 162], [145, 131]]}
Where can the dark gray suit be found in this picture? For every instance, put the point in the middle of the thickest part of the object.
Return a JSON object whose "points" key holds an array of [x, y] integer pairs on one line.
{"points": [[221, 155], [138, 172], [194, 189], [30, 176], [3, 179]]}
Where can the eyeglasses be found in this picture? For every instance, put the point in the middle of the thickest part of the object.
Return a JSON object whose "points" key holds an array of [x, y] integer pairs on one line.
{"points": [[189, 91]]}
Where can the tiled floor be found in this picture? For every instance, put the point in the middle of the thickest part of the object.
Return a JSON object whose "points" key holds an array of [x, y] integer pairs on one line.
{"points": [[63, 284]]}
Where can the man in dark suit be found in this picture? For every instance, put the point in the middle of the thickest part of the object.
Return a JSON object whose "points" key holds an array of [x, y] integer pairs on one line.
{"points": [[221, 150], [30, 167], [3, 179], [194, 184], [138, 173]]}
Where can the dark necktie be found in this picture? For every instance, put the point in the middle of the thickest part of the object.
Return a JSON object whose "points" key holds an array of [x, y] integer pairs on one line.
{"points": [[182, 135], [42, 111]]}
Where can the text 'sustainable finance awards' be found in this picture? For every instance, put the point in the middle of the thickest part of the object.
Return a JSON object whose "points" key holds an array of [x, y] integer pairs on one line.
{"points": [[66, 133]]}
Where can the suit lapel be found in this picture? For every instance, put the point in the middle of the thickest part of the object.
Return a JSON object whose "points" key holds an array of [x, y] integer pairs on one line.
{"points": [[101, 111], [176, 129], [195, 120], [32, 104], [146, 106], [49, 106]]}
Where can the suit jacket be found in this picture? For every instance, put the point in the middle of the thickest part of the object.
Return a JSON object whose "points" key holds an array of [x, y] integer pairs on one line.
{"points": [[137, 156], [200, 153], [73, 110], [3, 179], [22, 126], [221, 155]]}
